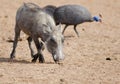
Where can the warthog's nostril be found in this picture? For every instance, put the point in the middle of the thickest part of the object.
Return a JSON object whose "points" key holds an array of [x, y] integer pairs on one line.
{"points": [[57, 59], [58, 62]]}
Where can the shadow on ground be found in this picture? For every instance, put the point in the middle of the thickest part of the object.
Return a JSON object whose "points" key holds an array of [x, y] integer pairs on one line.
{"points": [[2, 59], [13, 61]]}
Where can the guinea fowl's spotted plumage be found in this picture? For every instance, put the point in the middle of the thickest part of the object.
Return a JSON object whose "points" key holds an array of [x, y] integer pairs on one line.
{"points": [[49, 9], [73, 15]]}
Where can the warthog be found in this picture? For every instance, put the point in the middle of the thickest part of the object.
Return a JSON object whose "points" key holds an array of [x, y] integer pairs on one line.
{"points": [[36, 23]]}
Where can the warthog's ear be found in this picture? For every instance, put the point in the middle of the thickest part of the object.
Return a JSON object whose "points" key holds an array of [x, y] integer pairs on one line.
{"points": [[59, 27]]}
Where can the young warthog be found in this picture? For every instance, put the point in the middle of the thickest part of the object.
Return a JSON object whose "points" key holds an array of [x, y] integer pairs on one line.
{"points": [[37, 24]]}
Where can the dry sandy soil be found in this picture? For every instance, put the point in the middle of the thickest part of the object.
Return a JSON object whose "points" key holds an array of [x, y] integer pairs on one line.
{"points": [[85, 57]]}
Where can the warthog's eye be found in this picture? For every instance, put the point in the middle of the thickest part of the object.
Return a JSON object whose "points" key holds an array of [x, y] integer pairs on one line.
{"points": [[52, 40], [62, 40]]}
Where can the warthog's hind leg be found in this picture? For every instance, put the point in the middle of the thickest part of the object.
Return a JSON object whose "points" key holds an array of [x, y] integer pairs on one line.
{"points": [[30, 47], [17, 35]]}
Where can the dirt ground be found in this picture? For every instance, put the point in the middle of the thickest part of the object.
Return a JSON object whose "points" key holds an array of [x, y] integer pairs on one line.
{"points": [[93, 58]]}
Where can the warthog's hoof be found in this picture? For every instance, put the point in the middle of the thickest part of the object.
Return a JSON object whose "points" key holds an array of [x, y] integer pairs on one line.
{"points": [[41, 59], [35, 58]]}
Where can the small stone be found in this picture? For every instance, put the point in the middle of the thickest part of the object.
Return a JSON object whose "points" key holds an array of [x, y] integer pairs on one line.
{"points": [[62, 80], [6, 16], [83, 29], [108, 58], [1, 75], [115, 58], [67, 43], [19, 39]]}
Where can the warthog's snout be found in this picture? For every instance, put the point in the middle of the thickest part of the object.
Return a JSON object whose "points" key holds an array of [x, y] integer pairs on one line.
{"points": [[58, 55]]}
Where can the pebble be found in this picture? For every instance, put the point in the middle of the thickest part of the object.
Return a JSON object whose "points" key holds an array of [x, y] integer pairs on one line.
{"points": [[108, 58]]}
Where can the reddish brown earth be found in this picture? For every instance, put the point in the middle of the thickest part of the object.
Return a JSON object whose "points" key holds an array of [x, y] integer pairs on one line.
{"points": [[85, 57]]}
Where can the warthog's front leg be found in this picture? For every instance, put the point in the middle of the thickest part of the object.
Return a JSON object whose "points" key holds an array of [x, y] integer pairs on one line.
{"points": [[36, 56], [39, 47]]}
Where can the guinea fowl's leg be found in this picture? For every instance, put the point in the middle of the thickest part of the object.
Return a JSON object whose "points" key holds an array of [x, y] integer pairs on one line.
{"points": [[76, 30], [64, 29]]}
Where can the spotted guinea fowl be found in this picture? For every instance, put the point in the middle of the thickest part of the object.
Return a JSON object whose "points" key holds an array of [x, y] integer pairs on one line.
{"points": [[73, 15]]}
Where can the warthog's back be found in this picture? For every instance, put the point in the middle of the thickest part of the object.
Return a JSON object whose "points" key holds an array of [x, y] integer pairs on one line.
{"points": [[30, 19]]}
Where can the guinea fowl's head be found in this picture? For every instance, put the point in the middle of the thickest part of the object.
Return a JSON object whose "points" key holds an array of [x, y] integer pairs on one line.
{"points": [[97, 18]]}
